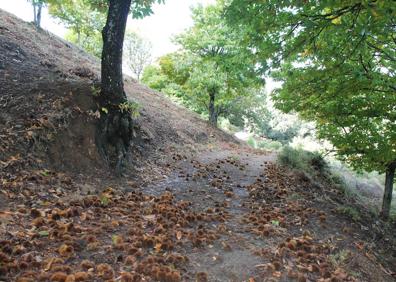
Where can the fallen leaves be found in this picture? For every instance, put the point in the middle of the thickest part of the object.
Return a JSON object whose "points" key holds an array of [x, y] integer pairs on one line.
{"points": [[66, 250], [105, 271], [133, 236], [179, 235], [158, 247], [145, 231]]}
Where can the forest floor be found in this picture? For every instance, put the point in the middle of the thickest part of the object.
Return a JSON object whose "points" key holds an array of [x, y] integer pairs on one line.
{"points": [[197, 204], [225, 214]]}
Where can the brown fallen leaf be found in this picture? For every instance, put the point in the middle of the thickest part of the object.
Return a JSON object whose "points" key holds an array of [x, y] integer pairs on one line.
{"points": [[157, 247], [178, 235], [277, 274], [49, 264], [66, 250]]}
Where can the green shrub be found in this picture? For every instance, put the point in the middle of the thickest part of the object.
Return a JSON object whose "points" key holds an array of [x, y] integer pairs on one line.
{"points": [[349, 211], [309, 162], [252, 142], [225, 124], [269, 145]]}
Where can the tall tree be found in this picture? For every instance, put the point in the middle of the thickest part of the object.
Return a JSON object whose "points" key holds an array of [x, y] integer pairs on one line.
{"points": [[222, 68], [189, 82], [337, 61], [114, 132], [37, 8], [137, 53], [116, 125]]}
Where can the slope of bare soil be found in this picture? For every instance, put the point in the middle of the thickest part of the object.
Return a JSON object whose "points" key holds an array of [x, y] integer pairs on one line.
{"points": [[47, 89], [195, 204]]}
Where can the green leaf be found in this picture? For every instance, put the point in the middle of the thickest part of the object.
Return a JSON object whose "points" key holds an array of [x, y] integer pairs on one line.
{"points": [[43, 233], [104, 200], [275, 222]]}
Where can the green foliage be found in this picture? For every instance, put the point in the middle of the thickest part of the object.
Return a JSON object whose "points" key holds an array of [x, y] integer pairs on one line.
{"points": [[270, 145], [84, 23], [154, 78], [176, 77], [77, 15], [349, 211], [35, 2], [139, 8], [264, 144], [340, 258], [214, 74], [104, 200], [309, 162], [252, 142], [275, 222], [91, 43], [337, 62], [95, 90], [176, 67], [188, 84], [284, 136], [220, 69], [85, 20], [270, 123], [130, 107], [226, 125]]}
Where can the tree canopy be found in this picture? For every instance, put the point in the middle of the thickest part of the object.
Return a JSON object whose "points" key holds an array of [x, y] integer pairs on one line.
{"points": [[337, 62], [221, 69]]}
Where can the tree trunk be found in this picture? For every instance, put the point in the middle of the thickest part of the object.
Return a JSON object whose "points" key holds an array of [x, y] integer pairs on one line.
{"points": [[387, 200], [34, 14], [212, 110], [79, 38], [115, 125], [38, 16]]}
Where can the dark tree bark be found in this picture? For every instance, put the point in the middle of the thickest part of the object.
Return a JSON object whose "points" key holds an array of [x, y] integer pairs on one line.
{"points": [[387, 200], [115, 126], [34, 14], [37, 7], [212, 109], [78, 37], [38, 17]]}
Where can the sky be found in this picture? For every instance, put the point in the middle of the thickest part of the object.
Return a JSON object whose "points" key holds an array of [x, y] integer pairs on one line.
{"points": [[168, 19]]}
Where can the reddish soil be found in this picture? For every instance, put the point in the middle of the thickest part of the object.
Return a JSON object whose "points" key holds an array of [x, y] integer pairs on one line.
{"points": [[194, 205]]}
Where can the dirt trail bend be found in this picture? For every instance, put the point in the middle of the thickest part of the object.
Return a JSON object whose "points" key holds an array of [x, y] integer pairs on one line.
{"points": [[223, 215], [215, 182], [267, 226]]}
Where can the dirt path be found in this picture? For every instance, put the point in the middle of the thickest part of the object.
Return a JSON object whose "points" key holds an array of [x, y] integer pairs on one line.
{"points": [[218, 180], [224, 215], [233, 185]]}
